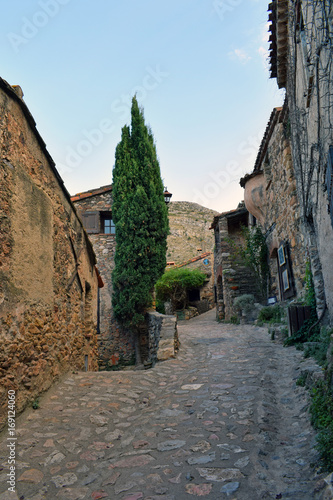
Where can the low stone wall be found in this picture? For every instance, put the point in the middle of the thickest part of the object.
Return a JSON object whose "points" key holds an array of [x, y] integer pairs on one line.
{"points": [[237, 280], [116, 347], [187, 314], [162, 338]]}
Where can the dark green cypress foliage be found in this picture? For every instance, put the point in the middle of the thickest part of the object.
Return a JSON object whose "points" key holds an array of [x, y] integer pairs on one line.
{"points": [[141, 221]]}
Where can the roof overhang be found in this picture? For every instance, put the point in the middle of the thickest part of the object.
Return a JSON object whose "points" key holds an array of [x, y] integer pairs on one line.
{"points": [[278, 17]]}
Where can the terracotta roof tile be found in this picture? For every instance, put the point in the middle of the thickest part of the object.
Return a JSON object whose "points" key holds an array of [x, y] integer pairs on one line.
{"points": [[92, 192]]}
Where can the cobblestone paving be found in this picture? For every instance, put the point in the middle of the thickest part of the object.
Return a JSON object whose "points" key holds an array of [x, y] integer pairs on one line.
{"points": [[224, 419]]}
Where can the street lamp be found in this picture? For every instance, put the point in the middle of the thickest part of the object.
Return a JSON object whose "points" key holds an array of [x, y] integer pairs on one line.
{"points": [[167, 196]]}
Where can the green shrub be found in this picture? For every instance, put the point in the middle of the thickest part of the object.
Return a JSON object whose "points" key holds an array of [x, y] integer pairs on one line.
{"points": [[270, 314], [256, 256], [35, 404], [160, 306], [321, 410], [175, 283], [244, 303], [234, 320], [318, 350], [301, 381]]}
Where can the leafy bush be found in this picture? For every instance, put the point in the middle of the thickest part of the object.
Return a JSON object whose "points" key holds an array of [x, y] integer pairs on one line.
{"points": [[321, 410], [256, 255], [35, 404], [244, 303], [234, 320], [270, 314], [160, 306], [318, 350], [174, 284]]}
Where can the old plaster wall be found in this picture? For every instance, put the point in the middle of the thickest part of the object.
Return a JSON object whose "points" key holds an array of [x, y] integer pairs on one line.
{"points": [[115, 343], [48, 280]]}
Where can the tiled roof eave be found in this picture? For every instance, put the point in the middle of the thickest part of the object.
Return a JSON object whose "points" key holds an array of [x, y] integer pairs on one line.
{"points": [[278, 16], [91, 193]]}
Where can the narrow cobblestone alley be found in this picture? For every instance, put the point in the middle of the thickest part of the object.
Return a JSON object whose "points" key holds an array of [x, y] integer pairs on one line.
{"points": [[224, 419]]}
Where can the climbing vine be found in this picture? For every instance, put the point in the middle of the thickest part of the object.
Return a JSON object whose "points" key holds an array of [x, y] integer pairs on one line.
{"points": [[311, 33], [321, 410], [256, 257]]}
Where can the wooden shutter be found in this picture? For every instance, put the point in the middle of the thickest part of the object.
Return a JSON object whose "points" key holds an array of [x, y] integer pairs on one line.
{"points": [[90, 221], [286, 279]]}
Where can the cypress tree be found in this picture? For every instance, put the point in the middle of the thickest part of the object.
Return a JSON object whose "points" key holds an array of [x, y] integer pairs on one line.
{"points": [[141, 221]]}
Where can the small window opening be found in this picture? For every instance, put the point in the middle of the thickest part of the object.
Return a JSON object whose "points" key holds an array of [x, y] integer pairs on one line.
{"points": [[108, 226], [194, 295]]}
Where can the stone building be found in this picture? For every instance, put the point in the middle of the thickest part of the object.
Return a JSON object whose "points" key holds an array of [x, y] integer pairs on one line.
{"points": [[48, 278], [203, 298], [271, 197], [191, 244], [301, 61], [115, 343], [232, 276]]}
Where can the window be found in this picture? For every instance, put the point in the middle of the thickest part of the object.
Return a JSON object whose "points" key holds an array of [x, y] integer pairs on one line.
{"points": [[90, 221], [109, 227], [98, 222], [107, 224], [194, 295]]}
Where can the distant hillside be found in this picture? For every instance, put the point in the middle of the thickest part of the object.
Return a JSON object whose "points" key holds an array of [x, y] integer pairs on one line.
{"points": [[189, 227]]}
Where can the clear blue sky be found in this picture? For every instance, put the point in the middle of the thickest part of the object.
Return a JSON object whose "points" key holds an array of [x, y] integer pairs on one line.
{"points": [[199, 68]]}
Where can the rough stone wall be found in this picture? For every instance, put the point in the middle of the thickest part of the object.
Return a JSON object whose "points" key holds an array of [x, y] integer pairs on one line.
{"points": [[271, 196], [207, 298], [301, 60], [189, 231], [115, 343], [48, 280], [309, 90], [161, 341], [233, 277], [189, 238]]}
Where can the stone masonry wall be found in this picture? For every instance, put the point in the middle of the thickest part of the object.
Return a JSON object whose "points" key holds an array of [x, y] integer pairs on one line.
{"points": [[271, 197], [161, 340], [234, 278], [309, 89], [48, 280], [115, 343], [207, 290]]}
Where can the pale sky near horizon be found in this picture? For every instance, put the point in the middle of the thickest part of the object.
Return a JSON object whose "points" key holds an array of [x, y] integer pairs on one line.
{"points": [[199, 69]]}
